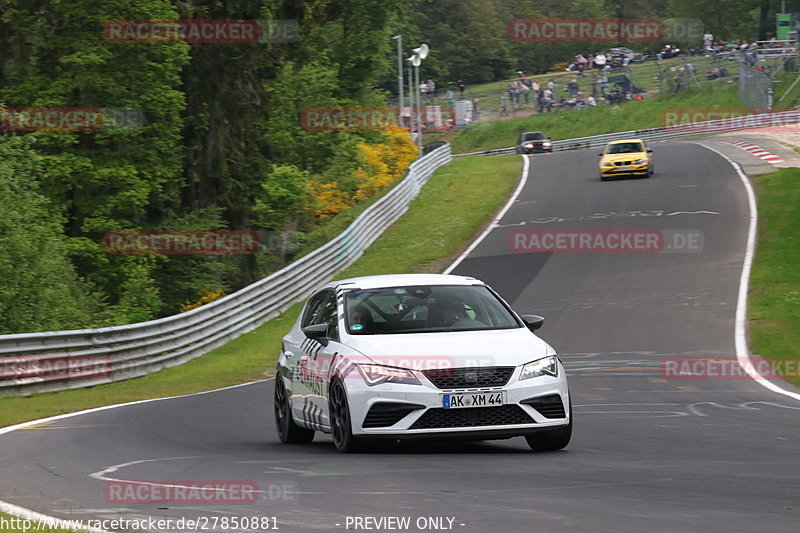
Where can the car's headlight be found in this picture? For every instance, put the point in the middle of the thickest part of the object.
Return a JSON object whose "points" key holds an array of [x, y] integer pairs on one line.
{"points": [[546, 143], [606, 164], [541, 367], [377, 374], [528, 146], [640, 162]]}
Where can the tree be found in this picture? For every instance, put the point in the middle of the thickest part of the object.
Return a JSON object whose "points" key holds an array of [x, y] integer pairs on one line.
{"points": [[40, 289]]}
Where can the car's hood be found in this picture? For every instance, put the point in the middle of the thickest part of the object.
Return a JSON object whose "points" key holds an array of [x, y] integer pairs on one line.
{"points": [[625, 157], [505, 347]]}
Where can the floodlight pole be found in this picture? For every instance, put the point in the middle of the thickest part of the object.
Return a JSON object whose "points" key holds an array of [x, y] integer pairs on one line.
{"points": [[399, 39], [410, 97], [419, 106]]}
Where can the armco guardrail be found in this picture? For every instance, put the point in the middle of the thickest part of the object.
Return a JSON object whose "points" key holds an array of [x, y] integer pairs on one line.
{"points": [[60, 360], [668, 132]]}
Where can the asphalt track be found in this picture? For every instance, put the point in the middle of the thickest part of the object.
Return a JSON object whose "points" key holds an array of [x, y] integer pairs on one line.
{"points": [[649, 452]]}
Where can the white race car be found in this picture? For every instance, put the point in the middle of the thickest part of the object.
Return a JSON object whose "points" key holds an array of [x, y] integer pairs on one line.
{"points": [[413, 356]]}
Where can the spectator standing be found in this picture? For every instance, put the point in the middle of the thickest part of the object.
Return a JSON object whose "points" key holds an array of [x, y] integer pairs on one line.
{"points": [[603, 84], [461, 86], [547, 100], [513, 92], [504, 105], [525, 90], [451, 98], [572, 86], [431, 89], [581, 61], [423, 91], [600, 61]]}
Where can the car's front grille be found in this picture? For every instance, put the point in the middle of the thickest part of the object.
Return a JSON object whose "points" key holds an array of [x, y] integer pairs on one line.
{"points": [[464, 378], [622, 163], [472, 417], [385, 414], [549, 406]]}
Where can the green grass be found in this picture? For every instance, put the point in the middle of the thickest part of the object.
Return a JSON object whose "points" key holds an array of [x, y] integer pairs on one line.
{"points": [[591, 121], [774, 310], [455, 203]]}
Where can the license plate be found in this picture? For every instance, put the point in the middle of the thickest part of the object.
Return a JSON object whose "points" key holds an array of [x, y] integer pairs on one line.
{"points": [[473, 399], [623, 168]]}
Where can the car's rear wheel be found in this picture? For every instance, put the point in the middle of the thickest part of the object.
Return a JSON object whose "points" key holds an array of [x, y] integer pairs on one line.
{"points": [[341, 424], [288, 431], [549, 441]]}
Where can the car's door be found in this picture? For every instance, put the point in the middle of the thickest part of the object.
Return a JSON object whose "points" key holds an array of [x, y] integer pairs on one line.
{"points": [[316, 360], [296, 355]]}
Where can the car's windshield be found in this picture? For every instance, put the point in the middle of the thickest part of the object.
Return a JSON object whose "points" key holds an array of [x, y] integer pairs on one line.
{"points": [[534, 136], [625, 148], [419, 309]]}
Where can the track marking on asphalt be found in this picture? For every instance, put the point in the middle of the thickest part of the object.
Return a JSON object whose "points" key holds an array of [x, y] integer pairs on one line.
{"points": [[740, 329], [754, 149], [744, 406], [606, 216]]}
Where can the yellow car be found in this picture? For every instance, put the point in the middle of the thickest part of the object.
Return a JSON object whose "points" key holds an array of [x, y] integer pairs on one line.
{"points": [[629, 157]]}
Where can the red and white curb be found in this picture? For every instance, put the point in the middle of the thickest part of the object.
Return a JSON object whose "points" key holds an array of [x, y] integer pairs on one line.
{"points": [[754, 149]]}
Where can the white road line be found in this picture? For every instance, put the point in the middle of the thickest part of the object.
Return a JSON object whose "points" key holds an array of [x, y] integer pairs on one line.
{"points": [[740, 331], [496, 221]]}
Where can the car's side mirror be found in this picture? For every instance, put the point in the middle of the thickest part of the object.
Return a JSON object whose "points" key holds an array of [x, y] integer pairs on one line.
{"points": [[600, 154], [649, 151], [317, 332], [533, 322]]}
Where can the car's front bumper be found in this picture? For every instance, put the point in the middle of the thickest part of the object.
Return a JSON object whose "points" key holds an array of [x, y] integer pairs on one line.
{"points": [[424, 405], [536, 150], [631, 170]]}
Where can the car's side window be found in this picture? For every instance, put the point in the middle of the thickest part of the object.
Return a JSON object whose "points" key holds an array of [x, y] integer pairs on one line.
{"points": [[313, 312], [329, 315]]}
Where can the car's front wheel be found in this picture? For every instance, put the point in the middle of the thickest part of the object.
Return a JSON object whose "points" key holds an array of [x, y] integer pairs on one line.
{"points": [[549, 441], [288, 431], [341, 424]]}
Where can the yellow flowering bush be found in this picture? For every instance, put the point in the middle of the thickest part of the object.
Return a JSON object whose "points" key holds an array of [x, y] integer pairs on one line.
{"points": [[379, 165], [207, 297]]}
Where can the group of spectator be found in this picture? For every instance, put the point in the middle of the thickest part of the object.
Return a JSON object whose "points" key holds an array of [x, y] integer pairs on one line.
{"points": [[546, 94]]}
